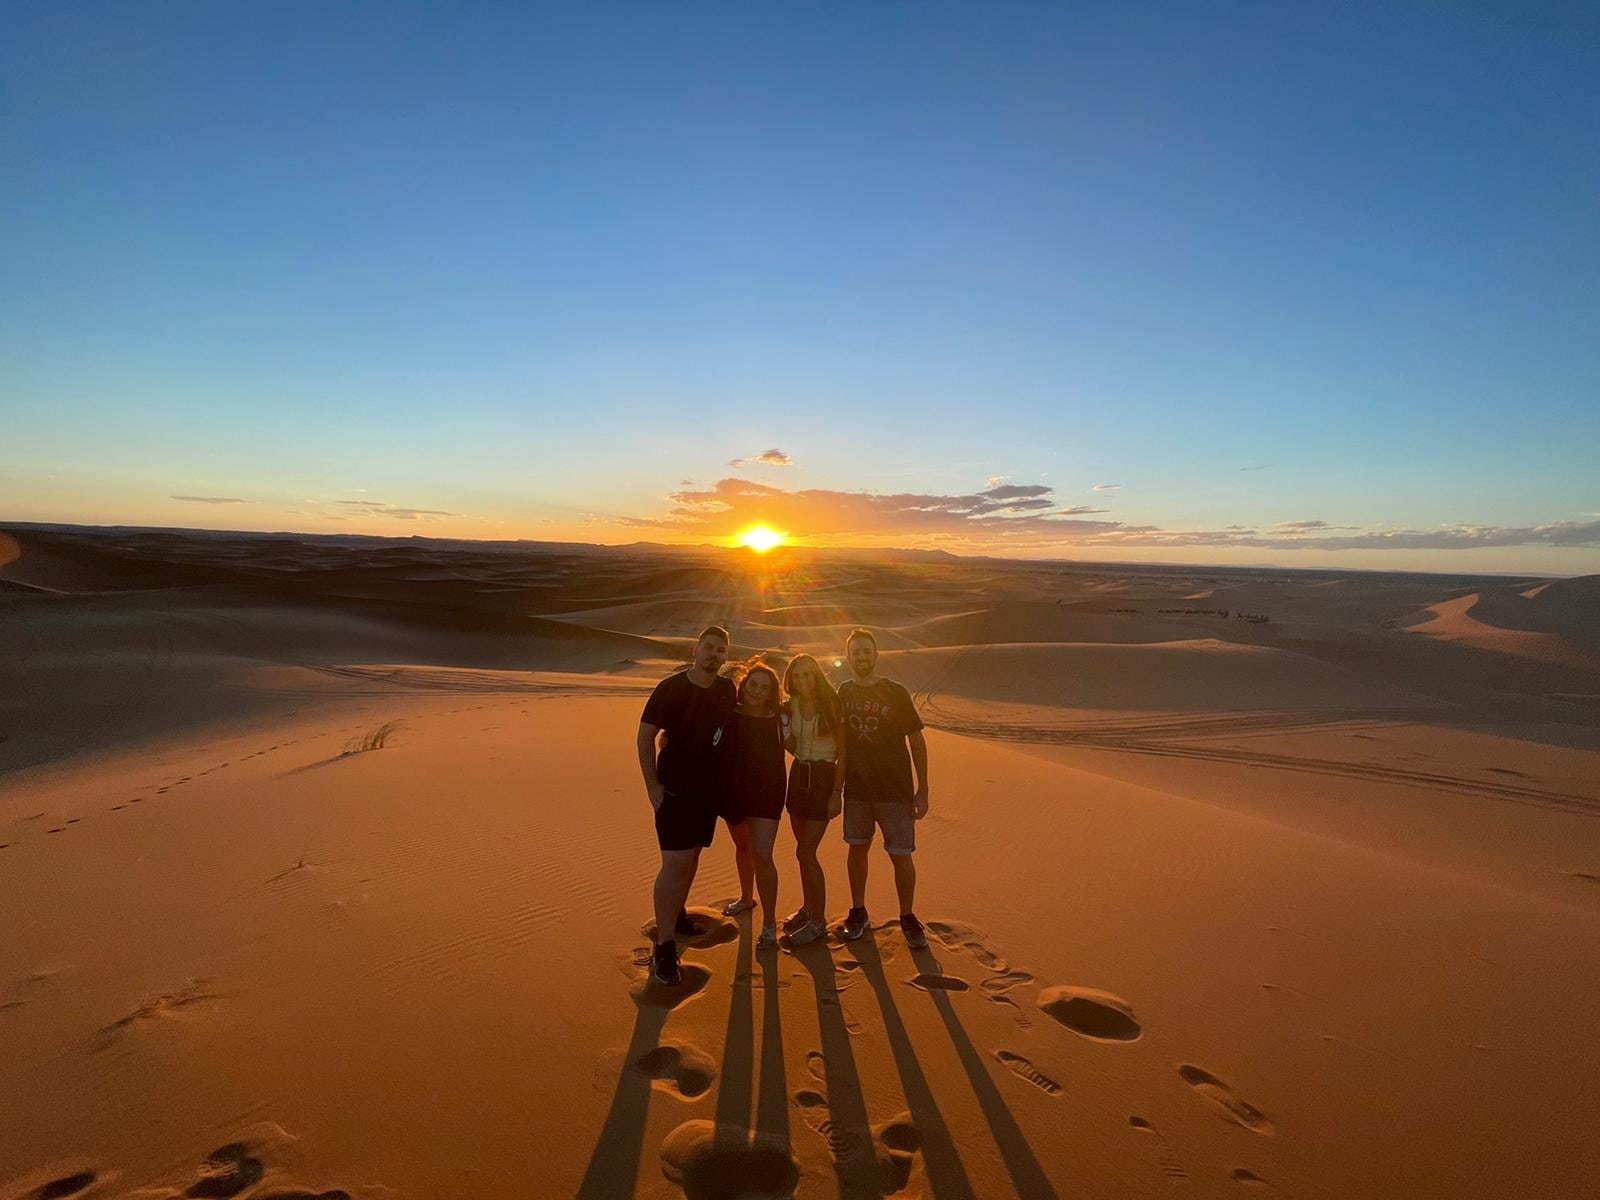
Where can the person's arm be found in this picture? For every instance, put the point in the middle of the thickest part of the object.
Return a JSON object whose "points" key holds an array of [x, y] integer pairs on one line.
{"points": [[647, 763], [919, 759], [836, 797]]}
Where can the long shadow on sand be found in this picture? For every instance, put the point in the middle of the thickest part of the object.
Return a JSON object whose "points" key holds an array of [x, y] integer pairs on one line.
{"points": [[1026, 1173], [614, 1165], [946, 1174], [848, 1130]]}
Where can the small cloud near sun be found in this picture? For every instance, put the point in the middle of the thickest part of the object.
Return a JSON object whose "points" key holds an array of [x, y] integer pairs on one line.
{"points": [[993, 481], [767, 458], [213, 499], [1105, 487]]}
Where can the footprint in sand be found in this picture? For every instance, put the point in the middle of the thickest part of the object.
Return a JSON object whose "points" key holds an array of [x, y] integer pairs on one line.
{"points": [[938, 983], [1023, 1069], [1092, 1014], [1222, 1098], [847, 1148], [955, 935], [679, 1068], [713, 1164], [227, 1171], [710, 929], [998, 991], [647, 993], [65, 1187], [1170, 1166]]}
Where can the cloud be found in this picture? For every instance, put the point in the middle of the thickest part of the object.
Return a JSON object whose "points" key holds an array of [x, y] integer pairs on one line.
{"points": [[767, 458], [213, 499], [378, 508], [994, 481], [1262, 467], [1027, 515], [1012, 514], [1105, 487]]}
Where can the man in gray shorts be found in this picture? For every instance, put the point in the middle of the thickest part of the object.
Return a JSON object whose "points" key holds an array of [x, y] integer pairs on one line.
{"points": [[880, 723]]}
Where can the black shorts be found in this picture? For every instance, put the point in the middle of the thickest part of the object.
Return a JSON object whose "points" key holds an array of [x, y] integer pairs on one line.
{"points": [[810, 785], [686, 821]]}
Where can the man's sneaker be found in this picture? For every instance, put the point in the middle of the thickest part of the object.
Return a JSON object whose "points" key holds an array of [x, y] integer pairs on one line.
{"points": [[664, 965], [855, 924], [796, 921], [912, 928], [685, 926], [811, 931]]}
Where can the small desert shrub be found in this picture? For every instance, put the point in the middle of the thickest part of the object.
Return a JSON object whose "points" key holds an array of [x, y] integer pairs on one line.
{"points": [[372, 740]]}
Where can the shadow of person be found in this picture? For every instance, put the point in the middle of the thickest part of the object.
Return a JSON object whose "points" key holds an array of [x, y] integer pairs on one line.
{"points": [[946, 1174], [614, 1166], [737, 1084], [772, 1100], [1026, 1174], [845, 1126]]}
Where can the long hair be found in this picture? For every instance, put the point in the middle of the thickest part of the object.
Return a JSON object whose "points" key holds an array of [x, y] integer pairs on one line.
{"points": [[827, 698], [761, 668]]}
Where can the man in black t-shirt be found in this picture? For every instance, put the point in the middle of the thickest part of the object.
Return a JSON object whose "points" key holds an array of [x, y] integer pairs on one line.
{"points": [[690, 715], [882, 740]]}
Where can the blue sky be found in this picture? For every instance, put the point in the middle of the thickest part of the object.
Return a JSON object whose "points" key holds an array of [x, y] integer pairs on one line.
{"points": [[497, 270]]}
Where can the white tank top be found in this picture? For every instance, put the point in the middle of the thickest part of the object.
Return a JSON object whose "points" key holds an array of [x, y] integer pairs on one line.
{"points": [[809, 745]]}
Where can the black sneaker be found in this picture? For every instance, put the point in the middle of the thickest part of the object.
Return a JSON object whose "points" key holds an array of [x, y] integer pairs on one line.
{"points": [[664, 965], [916, 938], [855, 924], [684, 926]]}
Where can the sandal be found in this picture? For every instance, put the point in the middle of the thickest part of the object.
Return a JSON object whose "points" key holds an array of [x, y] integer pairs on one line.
{"points": [[734, 907], [768, 939]]}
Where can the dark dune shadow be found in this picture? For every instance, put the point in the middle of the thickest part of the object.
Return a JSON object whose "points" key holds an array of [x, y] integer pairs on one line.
{"points": [[946, 1174], [1026, 1173]]}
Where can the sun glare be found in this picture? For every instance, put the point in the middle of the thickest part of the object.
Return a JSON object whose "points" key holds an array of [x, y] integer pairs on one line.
{"points": [[760, 538]]}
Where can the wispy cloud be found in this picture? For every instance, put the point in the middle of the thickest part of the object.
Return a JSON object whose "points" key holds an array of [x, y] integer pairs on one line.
{"points": [[213, 499], [1027, 515], [1262, 467], [378, 508], [994, 481], [1005, 513], [767, 458], [1105, 487]]}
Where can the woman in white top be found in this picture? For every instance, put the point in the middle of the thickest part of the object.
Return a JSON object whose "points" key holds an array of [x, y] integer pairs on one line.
{"points": [[816, 785]]}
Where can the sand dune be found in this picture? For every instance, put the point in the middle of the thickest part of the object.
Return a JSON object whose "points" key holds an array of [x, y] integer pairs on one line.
{"points": [[326, 868]]}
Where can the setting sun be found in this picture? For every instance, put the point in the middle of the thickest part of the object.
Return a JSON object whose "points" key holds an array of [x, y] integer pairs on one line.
{"points": [[761, 538]]}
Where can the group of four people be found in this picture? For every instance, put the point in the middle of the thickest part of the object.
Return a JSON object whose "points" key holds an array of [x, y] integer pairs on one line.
{"points": [[712, 747]]}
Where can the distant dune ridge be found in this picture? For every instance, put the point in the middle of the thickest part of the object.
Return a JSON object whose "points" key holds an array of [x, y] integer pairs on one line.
{"points": [[325, 868]]}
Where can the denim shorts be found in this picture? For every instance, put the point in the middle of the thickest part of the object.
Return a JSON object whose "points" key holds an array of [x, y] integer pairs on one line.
{"points": [[894, 817]]}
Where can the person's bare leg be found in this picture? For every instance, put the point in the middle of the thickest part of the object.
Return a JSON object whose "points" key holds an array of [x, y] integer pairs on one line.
{"points": [[905, 881], [744, 861], [857, 862], [813, 883], [673, 882], [763, 836]]}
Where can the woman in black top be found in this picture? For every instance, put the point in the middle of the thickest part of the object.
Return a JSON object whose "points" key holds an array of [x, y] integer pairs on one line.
{"points": [[754, 804]]}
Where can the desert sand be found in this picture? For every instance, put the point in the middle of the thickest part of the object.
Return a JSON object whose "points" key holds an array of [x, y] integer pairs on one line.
{"points": [[325, 867]]}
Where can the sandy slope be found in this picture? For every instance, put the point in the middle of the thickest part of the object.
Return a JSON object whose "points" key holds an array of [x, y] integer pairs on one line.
{"points": [[1302, 908]]}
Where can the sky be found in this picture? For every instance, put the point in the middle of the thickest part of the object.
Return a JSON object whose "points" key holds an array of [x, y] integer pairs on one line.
{"points": [[1274, 283]]}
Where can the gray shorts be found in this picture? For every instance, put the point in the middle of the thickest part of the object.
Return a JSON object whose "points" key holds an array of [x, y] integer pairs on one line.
{"points": [[894, 818]]}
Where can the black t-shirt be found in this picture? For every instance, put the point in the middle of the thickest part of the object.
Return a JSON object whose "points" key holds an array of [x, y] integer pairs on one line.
{"points": [[877, 720], [697, 721]]}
